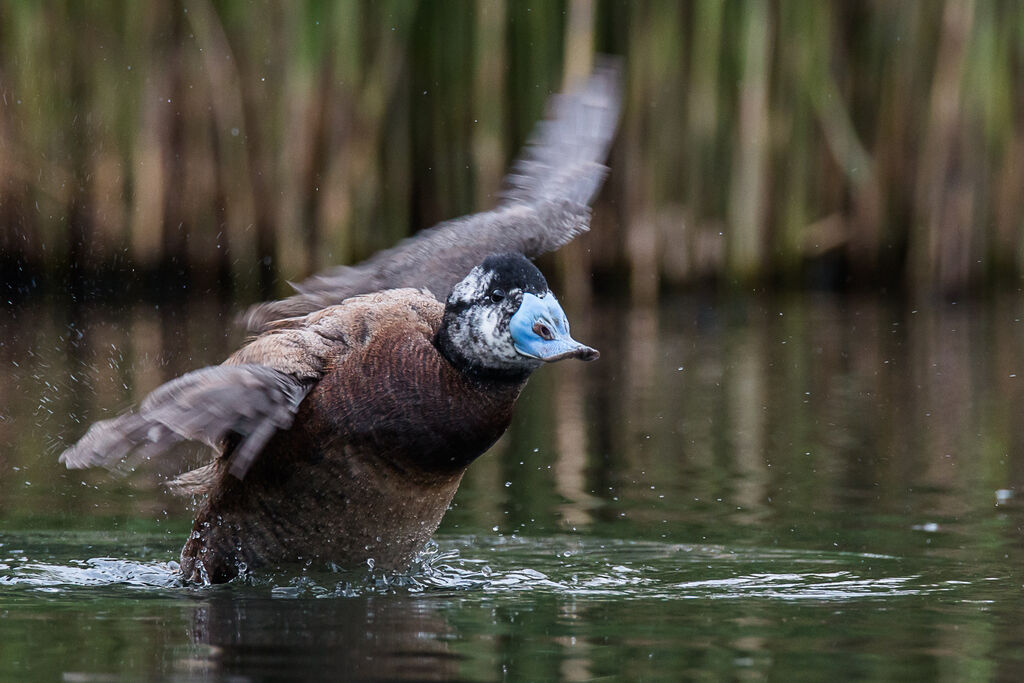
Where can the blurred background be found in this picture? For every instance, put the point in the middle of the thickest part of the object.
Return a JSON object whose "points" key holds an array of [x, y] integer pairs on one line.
{"points": [[800, 455], [236, 145]]}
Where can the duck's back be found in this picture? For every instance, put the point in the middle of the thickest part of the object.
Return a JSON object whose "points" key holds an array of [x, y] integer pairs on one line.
{"points": [[372, 460]]}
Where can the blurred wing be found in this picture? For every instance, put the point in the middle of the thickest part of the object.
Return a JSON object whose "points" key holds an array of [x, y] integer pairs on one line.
{"points": [[545, 204], [564, 157], [207, 405], [239, 405]]}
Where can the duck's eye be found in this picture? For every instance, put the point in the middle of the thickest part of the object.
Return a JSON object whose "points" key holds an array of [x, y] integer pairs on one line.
{"points": [[497, 295], [543, 331]]}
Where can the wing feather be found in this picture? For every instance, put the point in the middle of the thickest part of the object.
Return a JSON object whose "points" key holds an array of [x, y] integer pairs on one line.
{"points": [[545, 204], [205, 405], [236, 407]]}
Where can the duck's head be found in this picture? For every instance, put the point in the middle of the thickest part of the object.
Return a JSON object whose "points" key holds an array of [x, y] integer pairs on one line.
{"points": [[501, 320]]}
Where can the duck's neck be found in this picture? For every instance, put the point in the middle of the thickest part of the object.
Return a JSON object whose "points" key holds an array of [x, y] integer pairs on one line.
{"points": [[456, 354]]}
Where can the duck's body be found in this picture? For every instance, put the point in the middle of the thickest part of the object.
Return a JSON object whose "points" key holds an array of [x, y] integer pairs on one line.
{"points": [[373, 458], [342, 431]]}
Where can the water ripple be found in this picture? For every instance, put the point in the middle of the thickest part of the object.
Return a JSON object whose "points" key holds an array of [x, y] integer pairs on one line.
{"points": [[567, 566]]}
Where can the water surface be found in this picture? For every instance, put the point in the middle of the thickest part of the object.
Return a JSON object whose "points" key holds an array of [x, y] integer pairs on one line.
{"points": [[793, 488]]}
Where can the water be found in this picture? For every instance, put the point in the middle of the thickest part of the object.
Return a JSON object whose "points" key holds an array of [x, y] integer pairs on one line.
{"points": [[755, 488]]}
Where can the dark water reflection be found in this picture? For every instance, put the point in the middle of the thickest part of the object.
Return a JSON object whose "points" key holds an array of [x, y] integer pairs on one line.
{"points": [[753, 487]]}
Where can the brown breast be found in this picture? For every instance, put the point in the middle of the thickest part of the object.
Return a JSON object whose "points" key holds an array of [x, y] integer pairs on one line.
{"points": [[367, 470]]}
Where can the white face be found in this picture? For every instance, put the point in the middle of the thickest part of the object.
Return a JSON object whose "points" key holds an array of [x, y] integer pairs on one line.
{"points": [[479, 330]]}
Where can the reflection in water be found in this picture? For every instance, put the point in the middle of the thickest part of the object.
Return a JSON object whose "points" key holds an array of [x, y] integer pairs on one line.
{"points": [[390, 637], [571, 443], [747, 409]]}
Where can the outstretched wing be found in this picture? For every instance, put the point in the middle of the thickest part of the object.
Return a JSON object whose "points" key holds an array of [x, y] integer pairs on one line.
{"points": [[236, 407], [207, 405], [564, 158], [545, 204]]}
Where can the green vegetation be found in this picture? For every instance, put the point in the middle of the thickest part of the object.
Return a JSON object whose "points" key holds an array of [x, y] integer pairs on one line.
{"points": [[792, 142]]}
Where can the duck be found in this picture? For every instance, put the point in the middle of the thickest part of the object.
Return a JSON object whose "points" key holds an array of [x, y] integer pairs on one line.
{"points": [[342, 429]]}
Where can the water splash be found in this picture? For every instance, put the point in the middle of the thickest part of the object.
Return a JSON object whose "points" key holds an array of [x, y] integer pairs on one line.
{"points": [[567, 566], [98, 571]]}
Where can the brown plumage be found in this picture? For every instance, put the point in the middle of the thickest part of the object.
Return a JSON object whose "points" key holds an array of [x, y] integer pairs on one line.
{"points": [[363, 472]]}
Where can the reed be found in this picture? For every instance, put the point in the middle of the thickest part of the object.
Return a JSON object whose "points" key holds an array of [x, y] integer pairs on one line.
{"points": [[226, 144]]}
